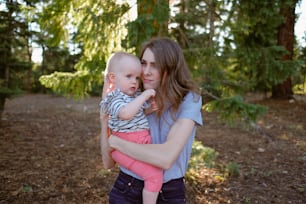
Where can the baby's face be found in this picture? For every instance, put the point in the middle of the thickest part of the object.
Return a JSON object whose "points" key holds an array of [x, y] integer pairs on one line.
{"points": [[127, 77]]}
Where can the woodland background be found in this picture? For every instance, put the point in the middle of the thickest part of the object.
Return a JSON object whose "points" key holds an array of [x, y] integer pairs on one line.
{"points": [[243, 54]]}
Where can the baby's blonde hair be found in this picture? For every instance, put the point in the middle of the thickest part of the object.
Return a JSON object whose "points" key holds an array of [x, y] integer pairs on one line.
{"points": [[114, 59]]}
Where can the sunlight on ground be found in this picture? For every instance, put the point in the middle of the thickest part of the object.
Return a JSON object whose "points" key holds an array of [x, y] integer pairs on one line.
{"points": [[300, 88]]}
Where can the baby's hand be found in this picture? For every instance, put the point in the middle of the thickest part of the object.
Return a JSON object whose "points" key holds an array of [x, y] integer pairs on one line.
{"points": [[148, 93]]}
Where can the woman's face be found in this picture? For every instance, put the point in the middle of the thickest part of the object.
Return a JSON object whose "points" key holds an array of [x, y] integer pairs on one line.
{"points": [[150, 73]]}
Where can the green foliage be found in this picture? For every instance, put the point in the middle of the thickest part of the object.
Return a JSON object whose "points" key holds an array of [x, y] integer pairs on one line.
{"points": [[152, 20], [208, 71], [14, 50], [8, 92], [248, 60], [196, 27], [26, 188], [55, 59], [254, 56], [140, 30], [231, 46], [234, 109], [97, 29], [70, 84], [299, 78], [54, 19], [301, 87], [261, 67], [232, 169], [201, 156], [197, 23]]}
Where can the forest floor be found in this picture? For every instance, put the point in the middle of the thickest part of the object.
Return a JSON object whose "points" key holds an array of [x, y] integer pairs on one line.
{"points": [[50, 153]]}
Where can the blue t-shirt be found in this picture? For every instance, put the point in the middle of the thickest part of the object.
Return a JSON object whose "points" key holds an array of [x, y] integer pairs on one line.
{"points": [[190, 108]]}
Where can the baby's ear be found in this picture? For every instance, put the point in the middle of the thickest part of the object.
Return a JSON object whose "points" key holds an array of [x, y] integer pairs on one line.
{"points": [[111, 77]]}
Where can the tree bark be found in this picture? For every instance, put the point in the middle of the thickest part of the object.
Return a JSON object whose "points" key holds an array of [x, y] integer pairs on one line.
{"points": [[285, 38], [147, 9]]}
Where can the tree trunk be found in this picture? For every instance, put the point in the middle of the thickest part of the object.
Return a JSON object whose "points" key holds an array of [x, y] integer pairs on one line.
{"points": [[149, 9], [29, 72], [285, 38], [145, 7], [2, 104], [212, 19]]}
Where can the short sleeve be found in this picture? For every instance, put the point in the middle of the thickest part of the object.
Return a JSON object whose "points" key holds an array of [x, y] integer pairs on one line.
{"points": [[112, 103], [191, 108]]}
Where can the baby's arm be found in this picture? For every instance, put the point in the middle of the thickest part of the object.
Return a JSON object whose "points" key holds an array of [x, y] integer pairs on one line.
{"points": [[130, 109]]}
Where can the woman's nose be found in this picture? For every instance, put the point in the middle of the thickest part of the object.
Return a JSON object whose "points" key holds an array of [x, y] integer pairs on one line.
{"points": [[146, 70]]}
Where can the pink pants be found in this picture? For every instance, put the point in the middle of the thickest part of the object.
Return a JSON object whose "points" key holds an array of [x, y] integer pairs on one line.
{"points": [[152, 176]]}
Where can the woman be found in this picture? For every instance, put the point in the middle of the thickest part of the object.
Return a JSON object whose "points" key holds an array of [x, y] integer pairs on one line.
{"points": [[172, 125], [126, 107]]}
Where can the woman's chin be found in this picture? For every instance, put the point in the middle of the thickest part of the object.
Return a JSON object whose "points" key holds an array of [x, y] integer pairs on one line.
{"points": [[149, 86]]}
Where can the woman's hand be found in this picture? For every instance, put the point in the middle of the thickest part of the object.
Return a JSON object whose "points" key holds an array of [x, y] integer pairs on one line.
{"points": [[154, 106], [106, 150], [112, 140]]}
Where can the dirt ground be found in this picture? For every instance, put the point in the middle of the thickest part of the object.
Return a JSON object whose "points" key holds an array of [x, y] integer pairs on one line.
{"points": [[49, 153]]}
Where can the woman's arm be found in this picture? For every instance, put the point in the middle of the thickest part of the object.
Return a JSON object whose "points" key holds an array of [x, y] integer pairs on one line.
{"points": [[108, 162], [160, 155], [107, 159]]}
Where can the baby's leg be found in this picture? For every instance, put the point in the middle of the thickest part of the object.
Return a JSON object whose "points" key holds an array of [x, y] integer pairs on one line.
{"points": [[149, 197], [152, 176], [153, 179]]}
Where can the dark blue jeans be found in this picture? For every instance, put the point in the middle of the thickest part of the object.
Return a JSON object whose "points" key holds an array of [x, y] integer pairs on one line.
{"points": [[128, 190]]}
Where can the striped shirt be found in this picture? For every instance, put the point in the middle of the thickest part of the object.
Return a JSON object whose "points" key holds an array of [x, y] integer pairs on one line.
{"points": [[112, 104]]}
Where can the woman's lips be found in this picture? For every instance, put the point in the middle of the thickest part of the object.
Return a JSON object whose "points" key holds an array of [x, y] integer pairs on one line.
{"points": [[146, 80]]}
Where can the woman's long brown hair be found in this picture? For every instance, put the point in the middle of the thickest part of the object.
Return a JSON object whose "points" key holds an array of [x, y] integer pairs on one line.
{"points": [[176, 79]]}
